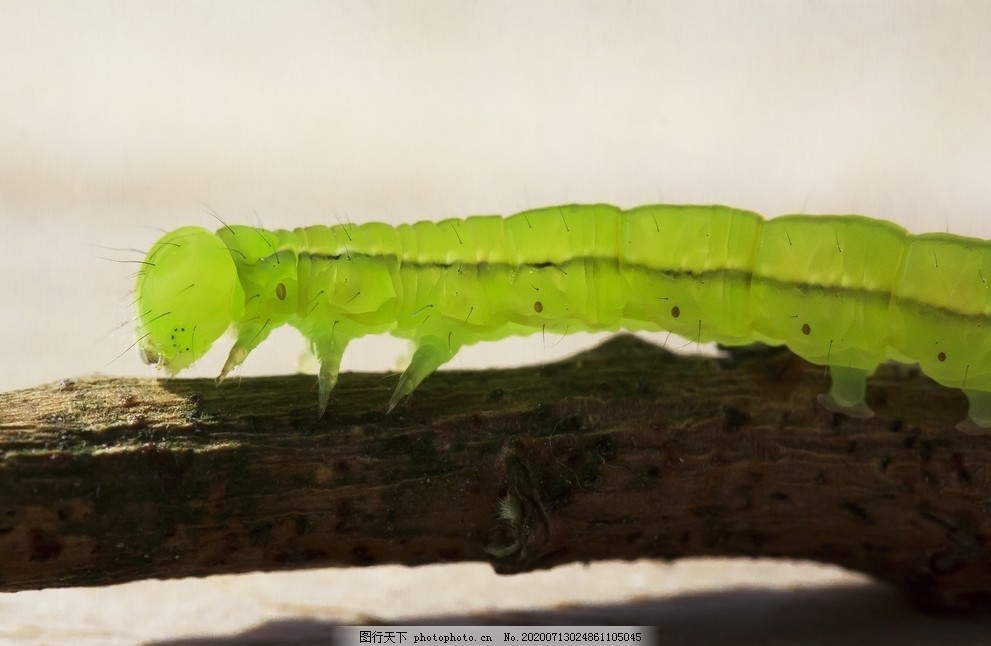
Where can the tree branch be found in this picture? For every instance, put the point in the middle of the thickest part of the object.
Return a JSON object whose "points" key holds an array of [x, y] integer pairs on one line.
{"points": [[623, 452]]}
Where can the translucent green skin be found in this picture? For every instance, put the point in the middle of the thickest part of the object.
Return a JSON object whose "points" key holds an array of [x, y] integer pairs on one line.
{"points": [[845, 291]]}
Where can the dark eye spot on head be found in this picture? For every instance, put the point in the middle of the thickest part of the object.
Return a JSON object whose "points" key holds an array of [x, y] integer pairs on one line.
{"points": [[941, 356], [806, 329], [675, 311], [538, 307], [280, 291]]}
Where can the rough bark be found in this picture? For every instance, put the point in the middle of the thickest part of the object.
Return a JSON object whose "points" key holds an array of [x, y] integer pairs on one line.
{"points": [[623, 452]]}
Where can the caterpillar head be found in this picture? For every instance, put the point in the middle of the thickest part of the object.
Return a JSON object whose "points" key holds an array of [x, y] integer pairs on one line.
{"points": [[187, 296]]}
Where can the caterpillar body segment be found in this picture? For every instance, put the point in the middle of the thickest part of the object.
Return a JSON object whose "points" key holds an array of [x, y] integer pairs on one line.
{"points": [[849, 292]]}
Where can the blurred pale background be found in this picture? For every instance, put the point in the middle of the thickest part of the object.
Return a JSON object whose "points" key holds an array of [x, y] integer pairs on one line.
{"points": [[118, 120]]}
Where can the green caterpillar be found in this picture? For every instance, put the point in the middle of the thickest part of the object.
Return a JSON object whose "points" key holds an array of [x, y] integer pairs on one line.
{"points": [[848, 291]]}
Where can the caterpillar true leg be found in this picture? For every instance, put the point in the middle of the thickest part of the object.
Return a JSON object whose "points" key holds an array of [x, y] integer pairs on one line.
{"points": [[329, 350], [249, 336], [846, 394], [431, 353]]}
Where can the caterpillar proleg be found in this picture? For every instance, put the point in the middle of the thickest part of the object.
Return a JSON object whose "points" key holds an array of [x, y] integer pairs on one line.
{"points": [[848, 292]]}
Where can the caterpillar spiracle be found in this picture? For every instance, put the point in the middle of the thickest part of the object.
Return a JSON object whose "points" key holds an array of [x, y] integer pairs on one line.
{"points": [[848, 292]]}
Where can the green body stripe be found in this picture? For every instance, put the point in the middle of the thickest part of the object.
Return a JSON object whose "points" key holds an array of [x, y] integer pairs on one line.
{"points": [[844, 291]]}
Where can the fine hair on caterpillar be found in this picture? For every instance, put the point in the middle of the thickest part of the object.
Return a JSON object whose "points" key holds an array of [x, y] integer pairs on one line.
{"points": [[848, 292]]}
